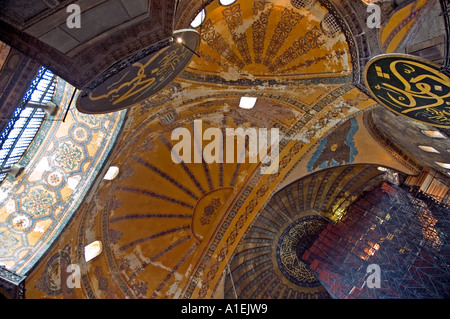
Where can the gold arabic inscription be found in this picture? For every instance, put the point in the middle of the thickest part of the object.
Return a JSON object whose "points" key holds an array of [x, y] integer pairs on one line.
{"points": [[411, 87]]}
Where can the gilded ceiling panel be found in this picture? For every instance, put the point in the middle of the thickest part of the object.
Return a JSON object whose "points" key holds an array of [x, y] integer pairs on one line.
{"points": [[264, 39]]}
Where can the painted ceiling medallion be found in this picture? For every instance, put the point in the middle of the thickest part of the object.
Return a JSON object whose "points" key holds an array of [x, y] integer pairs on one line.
{"points": [[410, 86], [293, 242], [139, 76]]}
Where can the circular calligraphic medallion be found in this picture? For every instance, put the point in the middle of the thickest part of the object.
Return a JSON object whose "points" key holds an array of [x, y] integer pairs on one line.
{"points": [[410, 86], [140, 75], [293, 242]]}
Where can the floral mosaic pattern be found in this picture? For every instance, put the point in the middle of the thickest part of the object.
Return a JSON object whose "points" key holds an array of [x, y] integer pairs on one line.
{"points": [[65, 158], [91, 119], [68, 156], [7, 243], [38, 202], [209, 211]]}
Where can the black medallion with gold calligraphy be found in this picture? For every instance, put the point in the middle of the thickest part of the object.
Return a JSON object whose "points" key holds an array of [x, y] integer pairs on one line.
{"points": [[138, 77], [410, 86], [293, 242]]}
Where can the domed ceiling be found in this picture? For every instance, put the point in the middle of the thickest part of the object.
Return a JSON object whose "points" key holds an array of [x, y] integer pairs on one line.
{"points": [[59, 168], [169, 230], [263, 40], [267, 262]]}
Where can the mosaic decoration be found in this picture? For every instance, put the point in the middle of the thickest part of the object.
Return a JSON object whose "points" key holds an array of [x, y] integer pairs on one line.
{"points": [[336, 149], [249, 46], [9, 243], [103, 284], [233, 17], [120, 89], [51, 282], [60, 165], [209, 210], [38, 202], [289, 19], [216, 42], [262, 9], [411, 87], [260, 193], [164, 215], [169, 230], [292, 244], [302, 45], [68, 156]]}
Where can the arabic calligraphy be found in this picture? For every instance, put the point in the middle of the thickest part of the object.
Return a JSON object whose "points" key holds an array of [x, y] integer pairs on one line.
{"points": [[144, 80], [410, 87], [293, 242], [141, 79]]}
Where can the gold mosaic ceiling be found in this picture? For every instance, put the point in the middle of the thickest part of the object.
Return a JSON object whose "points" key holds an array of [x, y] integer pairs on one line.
{"points": [[265, 39]]}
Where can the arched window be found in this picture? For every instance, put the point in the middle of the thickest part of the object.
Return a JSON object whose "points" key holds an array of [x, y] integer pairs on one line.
{"points": [[302, 4], [198, 20], [226, 2], [329, 25], [93, 250], [26, 120], [112, 173]]}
